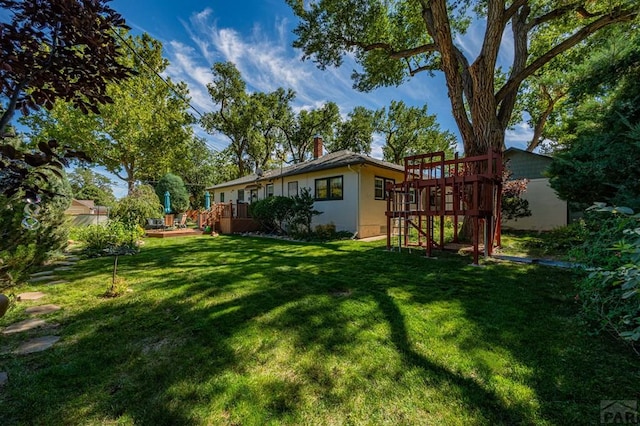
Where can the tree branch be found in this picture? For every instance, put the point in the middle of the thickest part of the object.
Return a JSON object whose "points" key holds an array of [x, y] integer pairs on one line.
{"points": [[511, 10], [393, 54], [7, 115], [520, 54], [554, 14], [514, 82]]}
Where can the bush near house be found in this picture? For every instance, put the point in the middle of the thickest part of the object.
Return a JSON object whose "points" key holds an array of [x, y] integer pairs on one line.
{"points": [[286, 215]]}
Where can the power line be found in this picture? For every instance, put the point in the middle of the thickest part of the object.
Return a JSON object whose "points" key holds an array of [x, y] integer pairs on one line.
{"points": [[145, 63], [170, 86]]}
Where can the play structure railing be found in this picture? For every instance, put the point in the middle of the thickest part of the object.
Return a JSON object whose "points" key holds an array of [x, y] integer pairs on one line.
{"points": [[437, 188]]}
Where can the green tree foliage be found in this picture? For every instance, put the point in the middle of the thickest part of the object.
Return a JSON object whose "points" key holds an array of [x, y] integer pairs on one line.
{"points": [[228, 91], [599, 158], [252, 122], [260, 124], [355, 133], [138, 135], [57, 49], [89, 185], [396, 40], [225, 169], [179, 196], [138, 206], [198, 167], [409, 131], [269, 113], [549, 95], [301, 128]]}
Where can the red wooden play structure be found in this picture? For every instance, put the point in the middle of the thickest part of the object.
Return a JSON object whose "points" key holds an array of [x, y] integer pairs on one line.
{"points": [[435, 189]]}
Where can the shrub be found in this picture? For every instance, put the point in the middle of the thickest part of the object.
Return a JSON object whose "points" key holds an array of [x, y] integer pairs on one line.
{"points": [[303, 212], [610, 296], [22, 249], [325, 232], [137, 207], [179, 196], [114, 235], [513, 205], [600, 230], [273, 213]]}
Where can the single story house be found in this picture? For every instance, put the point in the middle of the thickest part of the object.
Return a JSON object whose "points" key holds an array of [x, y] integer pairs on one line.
{"points": [[349, 189], [548, 211]]}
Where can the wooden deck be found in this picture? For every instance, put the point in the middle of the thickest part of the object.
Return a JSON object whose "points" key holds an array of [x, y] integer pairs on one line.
{"points": [[184, 232]]}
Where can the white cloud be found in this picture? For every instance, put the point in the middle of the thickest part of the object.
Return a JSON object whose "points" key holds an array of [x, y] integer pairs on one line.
{"points": [[184, 67], [519, 136], [266, 61]]}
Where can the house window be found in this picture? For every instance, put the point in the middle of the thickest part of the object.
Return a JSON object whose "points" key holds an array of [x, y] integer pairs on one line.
{"points": [[292, 188], [222, 197], [380, 185], [254, 195], [329, 188], [269, 190], [240, 194]]}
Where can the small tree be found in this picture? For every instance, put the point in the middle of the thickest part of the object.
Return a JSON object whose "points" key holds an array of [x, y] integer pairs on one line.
{"points": [[303, 211], [138, 206], [178, 192], [513, 205]]}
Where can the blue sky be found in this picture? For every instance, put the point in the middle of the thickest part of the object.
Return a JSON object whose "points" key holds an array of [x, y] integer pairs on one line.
{"points": [[257, 35]]}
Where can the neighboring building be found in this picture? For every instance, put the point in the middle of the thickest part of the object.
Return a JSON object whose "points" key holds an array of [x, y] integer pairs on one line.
{"points": [[547, 210], [85, 212], [348, 189]]}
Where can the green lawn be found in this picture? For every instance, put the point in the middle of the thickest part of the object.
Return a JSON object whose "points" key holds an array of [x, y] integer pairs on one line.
{"points": [[251, 331]]}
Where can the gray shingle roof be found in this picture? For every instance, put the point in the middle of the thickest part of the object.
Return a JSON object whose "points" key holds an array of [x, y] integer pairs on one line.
{"points": [[329, 161]]}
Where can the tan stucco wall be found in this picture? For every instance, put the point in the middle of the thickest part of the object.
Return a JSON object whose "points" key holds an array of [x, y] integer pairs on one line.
{"points": [[372, 212], [547, 210]]}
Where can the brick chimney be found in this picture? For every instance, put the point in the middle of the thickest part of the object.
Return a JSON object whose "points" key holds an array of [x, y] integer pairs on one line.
{"points": [[317, 147]]}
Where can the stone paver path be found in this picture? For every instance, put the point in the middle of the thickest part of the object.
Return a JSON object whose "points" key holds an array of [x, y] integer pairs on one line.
{"points": [[41, 278], [39, 343], [56, 282], [42, 309], [41, 274], [36, 345], [31, 295], [28, 324]]}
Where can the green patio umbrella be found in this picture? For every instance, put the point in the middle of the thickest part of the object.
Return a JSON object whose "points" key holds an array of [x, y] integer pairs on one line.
{"points": [[167, 202]]}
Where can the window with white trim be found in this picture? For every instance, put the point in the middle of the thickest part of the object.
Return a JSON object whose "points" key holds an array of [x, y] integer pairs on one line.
{"points": [[380, 186]]}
